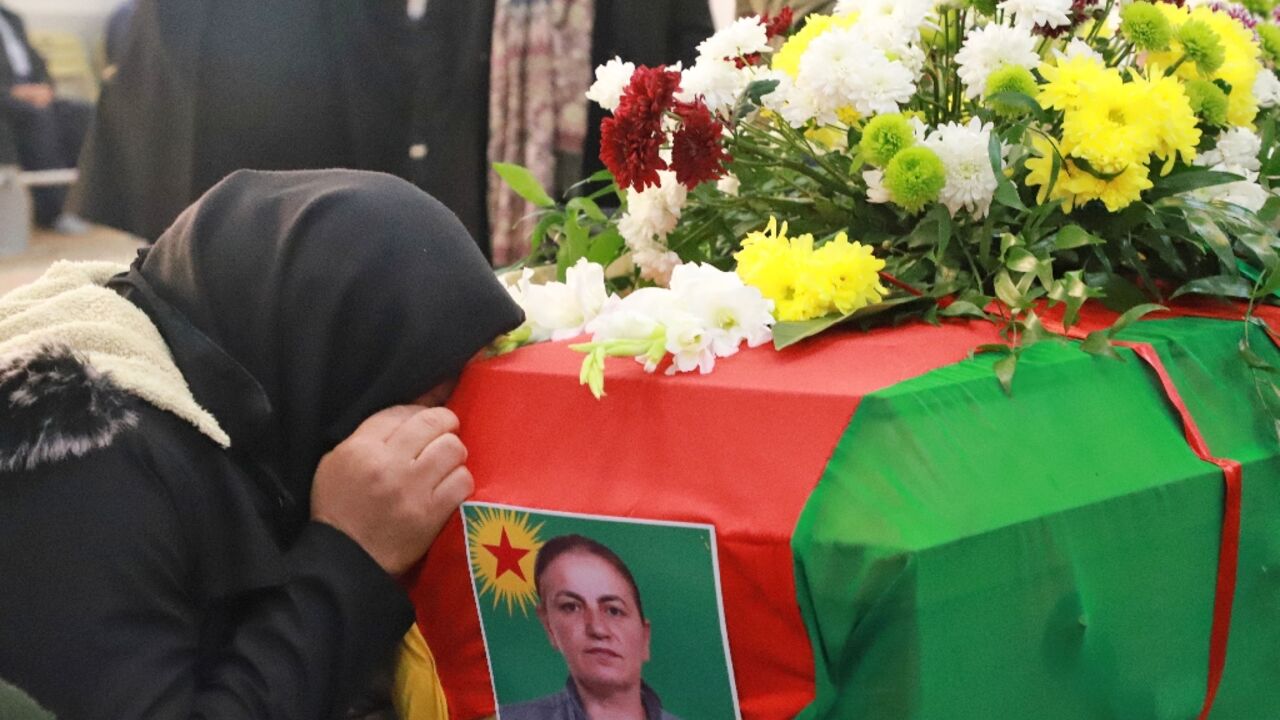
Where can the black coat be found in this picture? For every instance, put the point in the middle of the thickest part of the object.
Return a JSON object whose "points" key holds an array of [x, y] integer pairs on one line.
{"points": [[451, 112], [206, 87], [143, 580], [145, 571]]}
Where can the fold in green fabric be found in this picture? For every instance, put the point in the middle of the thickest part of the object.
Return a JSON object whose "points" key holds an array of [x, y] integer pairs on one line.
{"points": [[1047, 555]]}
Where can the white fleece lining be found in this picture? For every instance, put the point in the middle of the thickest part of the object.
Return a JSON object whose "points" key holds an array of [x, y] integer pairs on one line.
{"points": [[69, 305]]}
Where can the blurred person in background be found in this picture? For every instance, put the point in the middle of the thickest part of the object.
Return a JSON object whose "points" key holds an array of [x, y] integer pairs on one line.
{"points": [[117, 32], [207, 87], [41, 131], [505, 81]]}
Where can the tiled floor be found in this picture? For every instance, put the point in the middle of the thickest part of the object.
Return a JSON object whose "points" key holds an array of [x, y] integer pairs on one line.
{"points": [[98, 244]]}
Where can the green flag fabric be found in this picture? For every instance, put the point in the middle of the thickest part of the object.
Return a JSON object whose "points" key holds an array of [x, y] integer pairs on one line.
{"points": [[1050, 555]]}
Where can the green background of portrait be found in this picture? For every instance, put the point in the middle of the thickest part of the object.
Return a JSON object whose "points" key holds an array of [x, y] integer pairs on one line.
{"points": [[673, 566]]}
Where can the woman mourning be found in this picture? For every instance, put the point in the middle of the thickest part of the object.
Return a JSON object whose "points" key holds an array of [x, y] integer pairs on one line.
{"points": [[209, 473], [207, 87]]}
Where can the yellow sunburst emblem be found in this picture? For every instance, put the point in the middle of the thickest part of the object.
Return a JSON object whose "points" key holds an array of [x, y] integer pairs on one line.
{"points": [[503, 545]]}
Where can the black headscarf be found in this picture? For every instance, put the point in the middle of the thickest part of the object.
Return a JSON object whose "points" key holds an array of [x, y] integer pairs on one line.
{"points": [[299, 303]]}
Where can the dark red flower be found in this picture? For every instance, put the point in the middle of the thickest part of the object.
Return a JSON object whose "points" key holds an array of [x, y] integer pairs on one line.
{"points": [[780, 24], [651, 92], [697, 150], [631, 140], [631, 149]]}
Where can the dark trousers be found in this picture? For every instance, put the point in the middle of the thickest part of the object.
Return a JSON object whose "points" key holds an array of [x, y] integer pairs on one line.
{"points": [[47, 139]]}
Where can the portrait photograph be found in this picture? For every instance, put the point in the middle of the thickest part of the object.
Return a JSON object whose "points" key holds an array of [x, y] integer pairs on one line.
{"points": [[588, 616]]}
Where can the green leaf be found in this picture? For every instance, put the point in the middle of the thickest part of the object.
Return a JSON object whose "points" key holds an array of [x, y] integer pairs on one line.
{"points": [[575, 246], [786, 334], [587, 207], [1099, 343], [1010, 97], [758, 89], [606, 247], [1020, 259], [540, 232], [1074, 236], [1005, 367], [1007, 291], [524, 184], [963, 308], [1208, 230], [1006, 193], [1253, 359], [1189, 180], [1133, 315], [1231, 286]]}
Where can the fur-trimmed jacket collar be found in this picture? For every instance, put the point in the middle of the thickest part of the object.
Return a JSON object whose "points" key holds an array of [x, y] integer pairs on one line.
{"points": [[73, 357]]}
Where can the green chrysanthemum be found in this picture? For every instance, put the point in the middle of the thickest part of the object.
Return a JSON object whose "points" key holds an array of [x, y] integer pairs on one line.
{"points": [[1208, 102], [884, 137], [1202, 46], [1259, 7], [1146, 27], [1010, 79], [1270, 36], [914, 178]]}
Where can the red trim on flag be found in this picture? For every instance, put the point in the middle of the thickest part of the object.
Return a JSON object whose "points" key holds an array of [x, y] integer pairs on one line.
{"points": [[1229, 544]]}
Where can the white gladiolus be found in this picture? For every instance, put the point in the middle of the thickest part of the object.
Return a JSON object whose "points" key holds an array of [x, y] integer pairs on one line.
{"points": [[731, 311], [559, 311]]}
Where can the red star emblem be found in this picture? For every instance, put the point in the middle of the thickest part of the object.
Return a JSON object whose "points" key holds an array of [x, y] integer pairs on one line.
{"points": [[508, 557]]}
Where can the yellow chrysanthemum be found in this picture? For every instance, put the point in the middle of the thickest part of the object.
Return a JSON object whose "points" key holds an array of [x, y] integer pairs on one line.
{"points": [[1070, 78], [1116, 194], [1239, 69], [803, 283], [787, 59], [1169, 119], [850, 274], [1109, 128], [1075, 187], [1040, 167], [768, 259]]}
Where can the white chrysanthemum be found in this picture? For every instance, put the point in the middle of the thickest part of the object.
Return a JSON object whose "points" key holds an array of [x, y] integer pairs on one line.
{"points": [[561, 310], [1248, 194], [746, 36], [651, 215], [1237, 150], [1267, 89], [841, 70], [971, 182], [656, 263], [988, 48], [1029, 13], [717, 82], [1078, 48], [731, 311], [729, 184], [876, 191], [612, 79], [1237, 153]]}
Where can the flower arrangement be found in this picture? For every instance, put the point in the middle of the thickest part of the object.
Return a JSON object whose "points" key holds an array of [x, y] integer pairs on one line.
{"points": [[948, 158]]}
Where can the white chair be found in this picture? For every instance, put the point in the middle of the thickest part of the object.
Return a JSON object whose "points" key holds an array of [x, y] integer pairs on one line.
{"points": [[15, 202], [15, 211]]}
